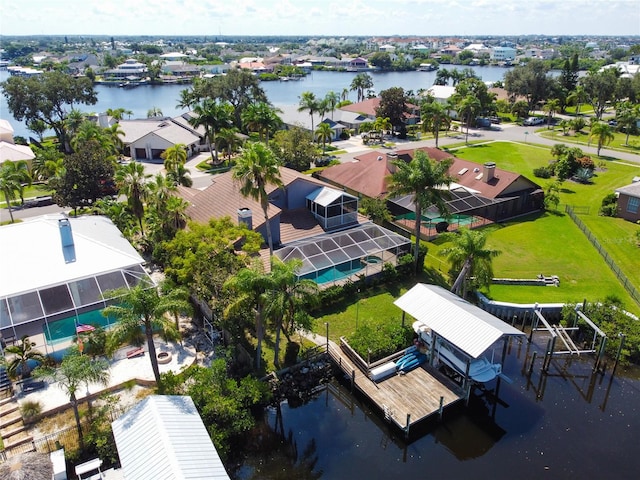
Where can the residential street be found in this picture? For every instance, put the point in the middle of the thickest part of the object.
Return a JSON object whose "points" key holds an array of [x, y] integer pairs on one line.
{"points": [[354, 146]]}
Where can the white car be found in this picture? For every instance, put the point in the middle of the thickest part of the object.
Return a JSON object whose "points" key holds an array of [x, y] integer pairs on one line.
{"points": [[533, 121]]}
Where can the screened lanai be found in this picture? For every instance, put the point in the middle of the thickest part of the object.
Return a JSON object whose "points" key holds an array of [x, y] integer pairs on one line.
{"points": [[336, 256], [332, 208], [57, 273]]}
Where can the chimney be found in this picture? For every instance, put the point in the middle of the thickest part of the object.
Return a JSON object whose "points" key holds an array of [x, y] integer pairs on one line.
{"points": [[489, 170], [66, 236], [245, 216], [391, 157]]}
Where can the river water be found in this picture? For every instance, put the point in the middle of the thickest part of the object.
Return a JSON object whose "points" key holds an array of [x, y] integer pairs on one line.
{"points": [[567, 424], [165, 97]]}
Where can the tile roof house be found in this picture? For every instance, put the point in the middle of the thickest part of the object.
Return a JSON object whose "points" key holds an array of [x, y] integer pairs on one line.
{"points": [[629, 201], [479, 190], [148, 139], [309, 220], [369, 106], [339, 120]]}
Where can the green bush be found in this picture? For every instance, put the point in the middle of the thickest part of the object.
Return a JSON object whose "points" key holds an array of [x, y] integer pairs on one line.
{"points": [[30, 409], [380, 339], [542, 172], [609, 206]]}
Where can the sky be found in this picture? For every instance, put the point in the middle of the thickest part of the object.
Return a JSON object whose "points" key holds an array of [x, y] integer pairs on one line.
{"points": [[320, 18]]}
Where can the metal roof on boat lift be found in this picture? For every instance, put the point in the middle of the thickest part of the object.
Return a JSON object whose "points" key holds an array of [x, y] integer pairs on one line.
{"points": [[466, 326], [163, 437]]}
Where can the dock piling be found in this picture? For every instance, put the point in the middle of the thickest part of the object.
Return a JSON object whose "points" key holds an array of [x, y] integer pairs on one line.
{"points": [[441, 408], [533, 361]]}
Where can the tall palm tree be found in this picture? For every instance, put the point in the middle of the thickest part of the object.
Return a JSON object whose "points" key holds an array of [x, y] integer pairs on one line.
{"points": [[470, 259], [187, 99], [74, 371], [331, 99], [255, 169], [249, 287], [325, 134], [551, 107], [174, 157], [603, 133], [18, 170], [262, 118], [578, 97], [213, 116], [22, 353], [308, 101], [289, 300], [72, 121], [467, 108], [229, 140], [154, 112], [434, 115], [627, 115], [360, 84], [9, 184], [131, 181], [425, 179], [143, 307]]}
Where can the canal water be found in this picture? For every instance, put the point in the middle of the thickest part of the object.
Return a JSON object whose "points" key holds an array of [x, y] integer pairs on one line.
{"points": [[567, 424], [165, 97]]}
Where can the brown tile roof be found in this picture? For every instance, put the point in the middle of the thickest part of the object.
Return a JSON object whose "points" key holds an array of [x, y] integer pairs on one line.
{"points": [[368, 107], [223, 198], [298, 223], [367, 175]]}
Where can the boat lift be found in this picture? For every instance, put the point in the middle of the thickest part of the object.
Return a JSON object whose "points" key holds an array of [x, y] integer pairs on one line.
{"points": [[561, 332]]}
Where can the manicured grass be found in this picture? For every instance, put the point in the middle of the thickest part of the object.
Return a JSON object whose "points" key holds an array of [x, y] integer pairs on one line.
{"points": [[37, 190], [580, 138], [584, 109]]}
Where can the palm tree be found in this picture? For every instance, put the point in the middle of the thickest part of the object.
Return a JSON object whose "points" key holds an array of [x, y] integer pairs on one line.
{"points": [[627, 115], [131, 181], [187, 99], [213, 116], [603, 133], [22, 353], [289, 300], [143, 307], [255, 169], [18, 170], [470, 258], [468, 108], [331, 99], [154, 112], [71, 123], [249, 287], [324, 133], [578, 97], [174, 157], [425, 179], [9, 184], [229, 140], [308, 101], [262, 118], [360, 84], [551, 107], [74, 371], [434, 114]]}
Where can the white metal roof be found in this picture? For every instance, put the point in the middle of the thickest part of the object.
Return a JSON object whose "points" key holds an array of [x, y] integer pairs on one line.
{"points": [[325, 196], [163, 437], [463, 324], [33, 258]]}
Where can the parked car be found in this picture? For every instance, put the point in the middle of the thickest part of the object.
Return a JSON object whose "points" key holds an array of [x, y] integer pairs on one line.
{"points": [[531, 121], [613, 123], [483, 122], [495, 120]]}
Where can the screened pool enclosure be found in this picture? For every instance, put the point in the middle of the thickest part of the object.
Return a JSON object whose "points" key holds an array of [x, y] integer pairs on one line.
{"points": [[332, 257]]}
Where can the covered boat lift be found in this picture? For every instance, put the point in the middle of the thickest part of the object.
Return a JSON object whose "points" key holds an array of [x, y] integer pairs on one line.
{"points": [[461, 324]]}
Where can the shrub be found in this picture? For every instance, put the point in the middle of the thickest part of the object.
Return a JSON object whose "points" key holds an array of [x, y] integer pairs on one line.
{"points": [[609, 205], [380, 339], [583, 175], [542, 172], [30, 409]]}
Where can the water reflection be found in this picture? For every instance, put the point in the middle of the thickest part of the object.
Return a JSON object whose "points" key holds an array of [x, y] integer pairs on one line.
{"points": [[565, 423]]}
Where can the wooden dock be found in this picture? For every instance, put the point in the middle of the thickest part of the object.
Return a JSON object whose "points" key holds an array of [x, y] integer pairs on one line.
{"points": [[404, 399]]}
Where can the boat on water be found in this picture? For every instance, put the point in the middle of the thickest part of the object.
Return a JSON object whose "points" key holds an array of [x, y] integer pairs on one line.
{"points": [[481, 370]]}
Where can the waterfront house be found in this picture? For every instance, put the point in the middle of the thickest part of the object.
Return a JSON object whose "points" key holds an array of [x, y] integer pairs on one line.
{"points": [[480, 194], [60, 267], [370, 106], [339, 120], [629, 201], [131, 69], [309, 220]]}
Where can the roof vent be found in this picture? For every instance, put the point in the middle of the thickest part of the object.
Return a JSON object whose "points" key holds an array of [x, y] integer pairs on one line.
{"points": [[463, 171]]}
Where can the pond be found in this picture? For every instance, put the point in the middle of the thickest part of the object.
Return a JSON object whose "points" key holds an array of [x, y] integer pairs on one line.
{"points": [[567, 424]]}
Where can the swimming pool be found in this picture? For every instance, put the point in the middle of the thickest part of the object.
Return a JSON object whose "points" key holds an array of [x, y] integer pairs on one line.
{"points": [[335, 273], [64, 329]]}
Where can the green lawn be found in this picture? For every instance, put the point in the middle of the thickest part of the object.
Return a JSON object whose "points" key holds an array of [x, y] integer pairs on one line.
{"points": [[38, 190], [580, 138]]}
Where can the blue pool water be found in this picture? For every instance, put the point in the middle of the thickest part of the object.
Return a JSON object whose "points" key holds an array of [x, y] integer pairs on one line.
{"points": [[335, 273], [65, 329]]}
